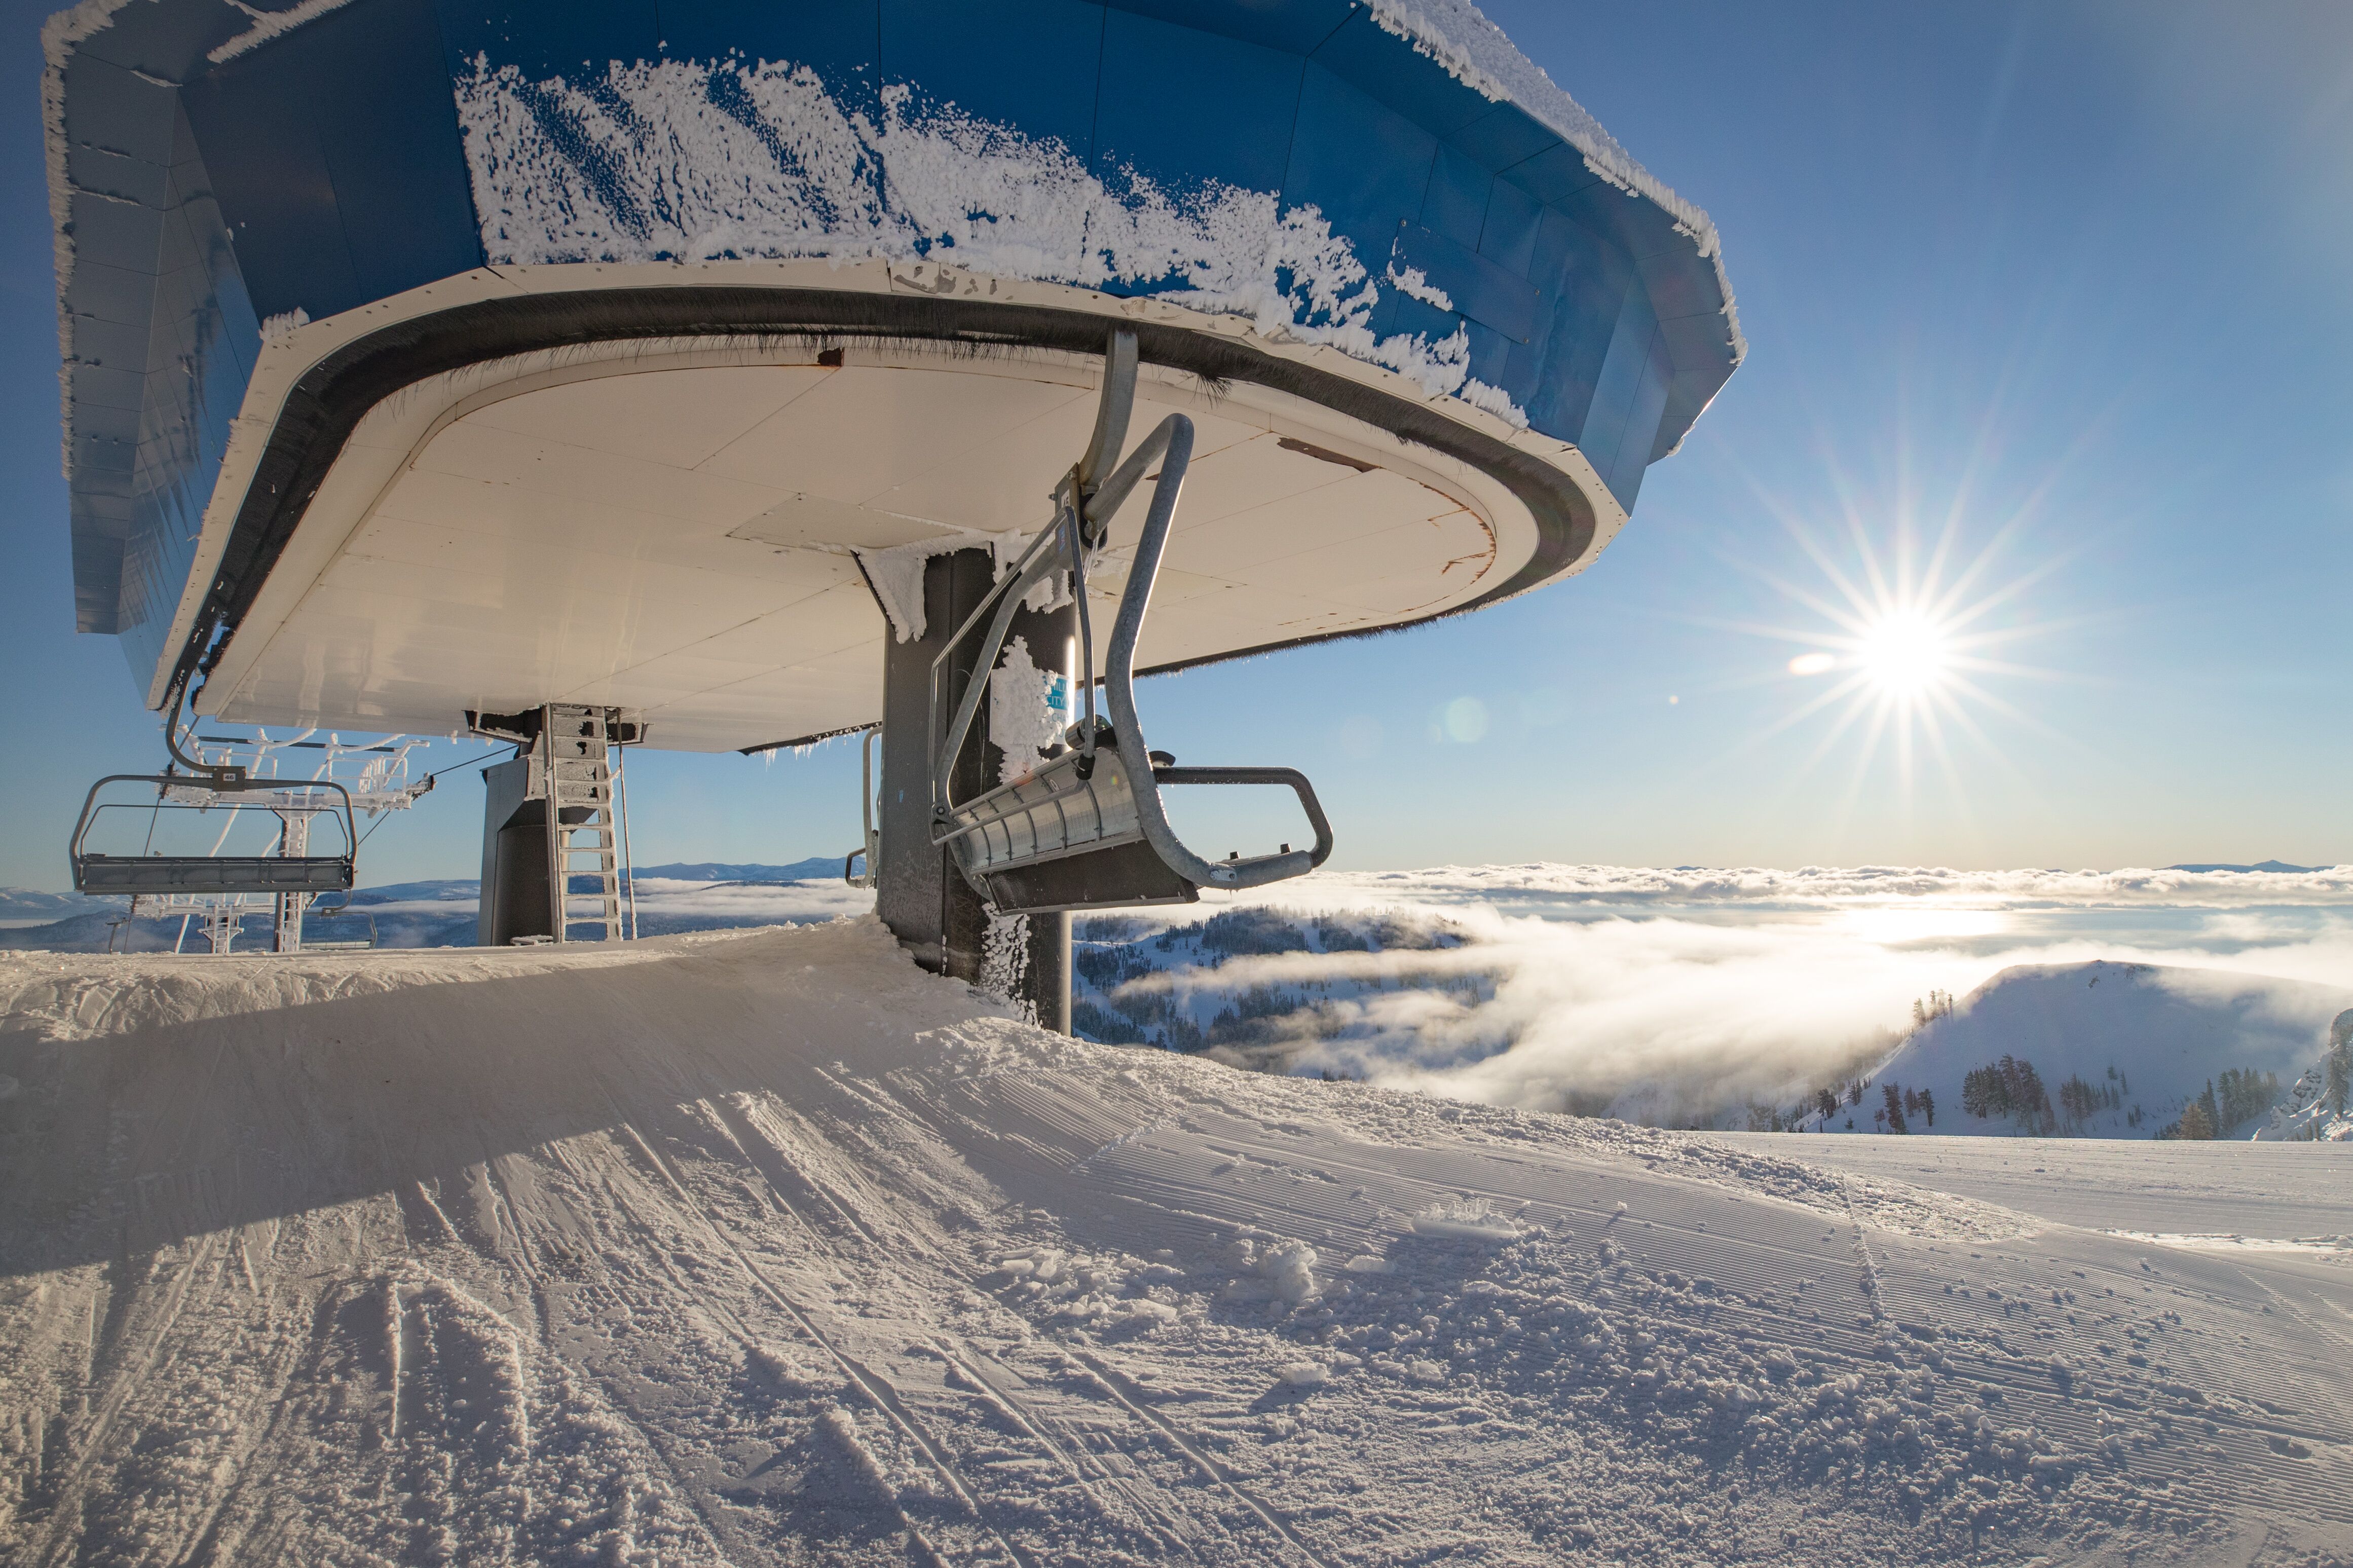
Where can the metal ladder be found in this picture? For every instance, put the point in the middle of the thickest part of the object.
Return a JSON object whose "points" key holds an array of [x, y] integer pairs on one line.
{"points": [[575, 767]]}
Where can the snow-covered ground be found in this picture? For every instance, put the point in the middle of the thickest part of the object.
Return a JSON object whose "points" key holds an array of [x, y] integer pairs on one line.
{"points": [[766, 1247]]}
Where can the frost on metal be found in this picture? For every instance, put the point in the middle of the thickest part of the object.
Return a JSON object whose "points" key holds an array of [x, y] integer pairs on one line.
{"points": [[1005, 963], [269, 25], [693, 161], [1027, 710]]}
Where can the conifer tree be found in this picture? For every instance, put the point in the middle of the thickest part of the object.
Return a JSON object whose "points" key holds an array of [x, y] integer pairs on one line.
{"points": [[2337, 1079], [2195, 1122]]}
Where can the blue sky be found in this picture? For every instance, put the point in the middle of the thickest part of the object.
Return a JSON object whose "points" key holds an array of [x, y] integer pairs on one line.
{"points": [[2049, 294]]}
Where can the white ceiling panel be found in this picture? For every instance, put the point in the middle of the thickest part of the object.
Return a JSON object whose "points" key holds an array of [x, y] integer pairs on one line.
{"points": [[800, 522], [533, 569], [674, 418], [866, 429], [1357, 507], [1406, 569], [665, 679], [821, 623], [1250, 474], [478, 451], [1007, 481]]}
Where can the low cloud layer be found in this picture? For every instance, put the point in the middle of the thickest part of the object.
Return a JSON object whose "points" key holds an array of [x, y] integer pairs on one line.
{"points": [[1672, 995], [1676, 994]]}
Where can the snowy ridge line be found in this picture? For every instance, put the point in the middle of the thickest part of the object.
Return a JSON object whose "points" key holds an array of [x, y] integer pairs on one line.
{"points": [[2111, 1049], [1891, 1205], [55, 1004]]}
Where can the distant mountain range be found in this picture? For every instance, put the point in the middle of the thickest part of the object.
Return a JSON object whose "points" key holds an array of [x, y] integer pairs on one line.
{"points": [[2280, 866], [70, 922]]}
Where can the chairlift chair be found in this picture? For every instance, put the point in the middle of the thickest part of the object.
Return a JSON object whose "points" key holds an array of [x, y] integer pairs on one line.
{"points": [[340, 942], [1086, 828], [210, 874]]}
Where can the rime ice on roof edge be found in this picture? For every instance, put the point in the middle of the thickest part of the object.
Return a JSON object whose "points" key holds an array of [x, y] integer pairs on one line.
{"points": [[1458, 36]]}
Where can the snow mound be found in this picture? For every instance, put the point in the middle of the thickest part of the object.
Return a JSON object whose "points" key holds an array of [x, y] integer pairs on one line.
{"points": [[770, 1248], [2117, 1051]]}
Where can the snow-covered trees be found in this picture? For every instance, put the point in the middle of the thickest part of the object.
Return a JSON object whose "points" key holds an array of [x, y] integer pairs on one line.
{"points": [[2242, 1093], [1935, 1006], [2010, 1088], [2336, 1084], [2224, 1103]]}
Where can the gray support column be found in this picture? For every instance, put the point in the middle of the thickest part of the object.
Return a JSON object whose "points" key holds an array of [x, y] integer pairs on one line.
{"points": [[515, 858], [928, 905], [922, 897]]}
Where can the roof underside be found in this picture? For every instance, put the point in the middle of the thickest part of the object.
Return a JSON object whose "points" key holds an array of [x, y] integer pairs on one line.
{"points": [[680, 531]]}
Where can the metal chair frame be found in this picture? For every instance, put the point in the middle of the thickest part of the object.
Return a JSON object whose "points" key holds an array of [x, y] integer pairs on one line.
{"points": [[136, 874], [1101, 797], [871, 845]]}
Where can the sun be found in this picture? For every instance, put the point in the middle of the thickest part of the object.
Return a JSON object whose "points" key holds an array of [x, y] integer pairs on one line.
{"points": [[1904, 652], [1899, 651]]}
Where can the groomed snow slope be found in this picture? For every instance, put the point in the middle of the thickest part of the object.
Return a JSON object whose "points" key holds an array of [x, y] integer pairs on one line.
{"points": [[2147, 1037], [768, 1248]]}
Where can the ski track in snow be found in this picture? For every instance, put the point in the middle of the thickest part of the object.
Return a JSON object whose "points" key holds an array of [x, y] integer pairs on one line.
{"points": [[765, 1248]]}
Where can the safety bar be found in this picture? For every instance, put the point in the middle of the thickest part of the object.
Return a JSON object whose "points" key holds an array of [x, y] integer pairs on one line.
{"points": [[1171, 446], [1290, 776], [1043, 557], [212, 873]]}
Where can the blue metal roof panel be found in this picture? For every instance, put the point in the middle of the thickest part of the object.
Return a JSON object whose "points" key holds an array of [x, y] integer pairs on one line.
{"points": [[1294, 27], [1152, 125], [1035, 64]]}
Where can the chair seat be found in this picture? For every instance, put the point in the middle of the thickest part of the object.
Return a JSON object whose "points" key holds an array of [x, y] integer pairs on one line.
{"points": [[212, 874]]}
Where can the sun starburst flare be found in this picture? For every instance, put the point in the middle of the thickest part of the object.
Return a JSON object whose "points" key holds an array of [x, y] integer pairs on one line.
{"points": [[1901, 643]]}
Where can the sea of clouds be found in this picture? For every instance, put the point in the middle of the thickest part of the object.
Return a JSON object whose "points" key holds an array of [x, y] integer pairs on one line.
{"points": [[1672, 994]]}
